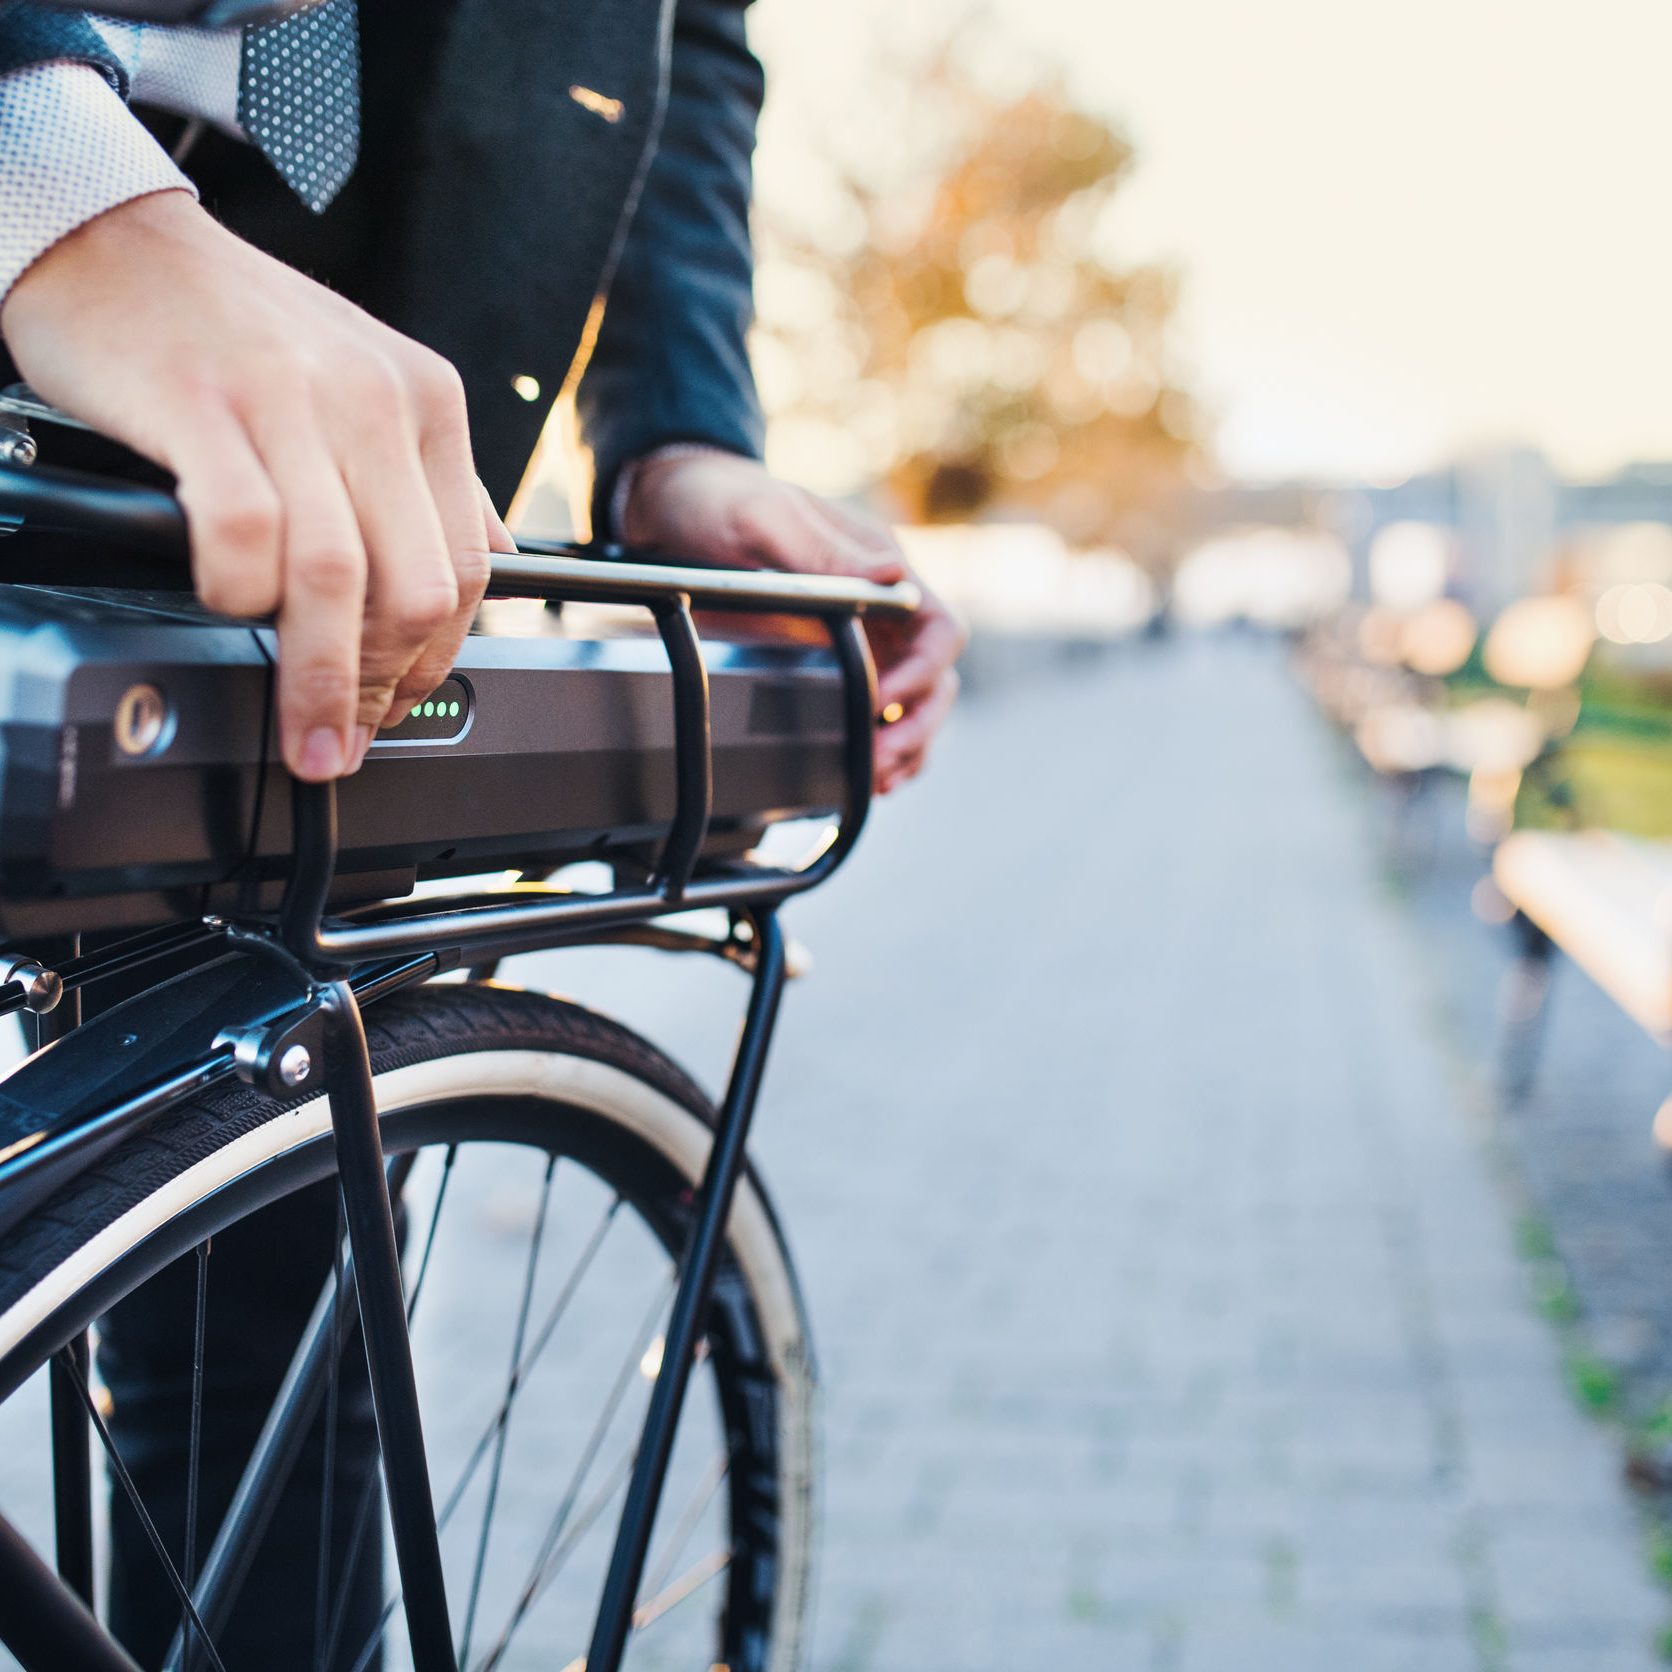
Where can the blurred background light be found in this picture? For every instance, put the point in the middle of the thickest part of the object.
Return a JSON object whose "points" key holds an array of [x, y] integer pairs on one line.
{"points": [[1540, 644], [1409, 564], [1436, 640], [1635, 612], [1272, 577]]}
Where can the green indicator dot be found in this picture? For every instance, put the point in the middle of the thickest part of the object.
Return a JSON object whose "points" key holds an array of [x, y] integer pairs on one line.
{"points": [[453, 710], [429, 709], [416, 710]]}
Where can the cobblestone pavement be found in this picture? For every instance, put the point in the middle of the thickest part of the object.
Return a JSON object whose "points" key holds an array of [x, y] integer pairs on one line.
{"points": [[1167, 1304], [1168, 1307]]}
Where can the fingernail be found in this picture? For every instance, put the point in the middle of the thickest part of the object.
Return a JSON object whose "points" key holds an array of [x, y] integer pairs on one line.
{"points": [[362, 742], [322, 755]]}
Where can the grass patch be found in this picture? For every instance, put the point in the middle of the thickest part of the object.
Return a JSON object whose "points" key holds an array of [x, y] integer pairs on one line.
{"points": [[1656, 1428], [1660, 1553], [1609, 781], [1595, 1385]]}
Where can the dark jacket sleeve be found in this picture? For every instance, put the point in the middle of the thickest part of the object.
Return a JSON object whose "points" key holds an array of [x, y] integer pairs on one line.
{"points": [[31, 34], [670, 361]]}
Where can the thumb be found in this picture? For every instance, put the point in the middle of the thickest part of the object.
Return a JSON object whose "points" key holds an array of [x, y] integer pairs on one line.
{"points": [[500, 538]]}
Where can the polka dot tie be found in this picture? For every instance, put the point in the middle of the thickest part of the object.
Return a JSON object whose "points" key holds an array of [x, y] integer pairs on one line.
{"points": [[299, 97]]}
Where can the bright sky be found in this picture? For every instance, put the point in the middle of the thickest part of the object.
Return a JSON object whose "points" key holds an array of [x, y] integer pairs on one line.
{"points": [[1405, 231]]}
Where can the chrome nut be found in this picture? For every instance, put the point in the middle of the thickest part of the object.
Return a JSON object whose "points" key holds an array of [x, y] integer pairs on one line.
{"points": [[42, 988]]}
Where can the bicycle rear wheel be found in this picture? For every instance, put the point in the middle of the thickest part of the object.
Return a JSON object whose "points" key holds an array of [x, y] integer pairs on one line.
{"points": [[549, 1158]]}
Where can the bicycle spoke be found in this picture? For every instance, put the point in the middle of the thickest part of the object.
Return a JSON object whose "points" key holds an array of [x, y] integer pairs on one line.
{"points": [[583, 1520], [552, 1318], [684, 1588], [554, 1532], [149, 1527], [687, 1523], [503, 1434], [357, 1537], [548, 1328], [194, 1442], [328, 1484], [429, 1235], [580, 1524]]}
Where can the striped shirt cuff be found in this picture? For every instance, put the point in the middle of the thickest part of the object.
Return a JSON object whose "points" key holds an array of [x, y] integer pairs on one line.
{"points": [[69, 150]]}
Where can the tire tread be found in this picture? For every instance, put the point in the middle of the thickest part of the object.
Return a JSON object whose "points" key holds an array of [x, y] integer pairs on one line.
{"points": [[411, 1027]]}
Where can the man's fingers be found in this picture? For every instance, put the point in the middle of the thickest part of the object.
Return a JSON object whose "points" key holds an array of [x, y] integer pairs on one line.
{"points": [[500, 538], [413, 595], [935, 640], [903, 746], [472, 568], [412, 590], [435, 662], [319, 620], [873, 536], [460, 505], [232, 512], [796, 532], [464, 510]]}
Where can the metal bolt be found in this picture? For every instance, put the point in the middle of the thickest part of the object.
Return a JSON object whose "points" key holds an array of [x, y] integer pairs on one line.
{"points": [[42, 988], [17, 447], [295, 1065]]}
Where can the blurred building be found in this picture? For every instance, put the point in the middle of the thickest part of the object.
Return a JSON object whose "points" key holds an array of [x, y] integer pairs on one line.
{"points": [[1509, 512]]}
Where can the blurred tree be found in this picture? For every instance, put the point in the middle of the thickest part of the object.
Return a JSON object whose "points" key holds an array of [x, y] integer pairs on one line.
{"points": [[956, 324]]}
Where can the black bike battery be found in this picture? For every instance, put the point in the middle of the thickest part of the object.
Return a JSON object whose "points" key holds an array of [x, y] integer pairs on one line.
{"points": [[140, 780]]}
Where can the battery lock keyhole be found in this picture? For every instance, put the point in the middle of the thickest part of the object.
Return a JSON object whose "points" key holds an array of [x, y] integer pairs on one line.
{"points": [[144, 721]]}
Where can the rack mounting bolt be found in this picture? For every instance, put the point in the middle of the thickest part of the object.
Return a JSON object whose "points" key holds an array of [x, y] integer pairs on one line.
{"points": [[295, 1065], [42, 988], [17, 447]]}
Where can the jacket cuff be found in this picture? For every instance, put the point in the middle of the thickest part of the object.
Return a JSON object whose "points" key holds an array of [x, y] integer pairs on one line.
{"points": [[69, 150]]}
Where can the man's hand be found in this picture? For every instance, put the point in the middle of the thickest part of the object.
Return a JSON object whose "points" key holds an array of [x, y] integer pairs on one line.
{"points": [[323, 460], [729, 510]]}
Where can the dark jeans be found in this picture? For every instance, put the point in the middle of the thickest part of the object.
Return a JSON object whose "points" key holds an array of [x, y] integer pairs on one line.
{"points": [[264, 1276]]}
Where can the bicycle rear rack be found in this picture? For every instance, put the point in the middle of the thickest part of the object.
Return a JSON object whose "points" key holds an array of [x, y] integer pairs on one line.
{"points": [[332, 958]]}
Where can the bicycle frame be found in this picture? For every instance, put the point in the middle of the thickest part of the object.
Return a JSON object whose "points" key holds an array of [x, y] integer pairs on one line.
{"points": [[300, 1033]]}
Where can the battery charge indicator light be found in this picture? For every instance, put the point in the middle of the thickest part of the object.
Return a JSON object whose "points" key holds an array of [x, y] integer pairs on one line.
{"points": [[439, 718]]}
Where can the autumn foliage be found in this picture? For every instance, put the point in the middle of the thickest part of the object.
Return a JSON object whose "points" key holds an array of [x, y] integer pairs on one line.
{"points": [[985, 348]]}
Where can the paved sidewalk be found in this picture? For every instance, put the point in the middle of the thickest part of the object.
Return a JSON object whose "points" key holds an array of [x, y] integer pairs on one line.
{"points": [[1168, 1308]]}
